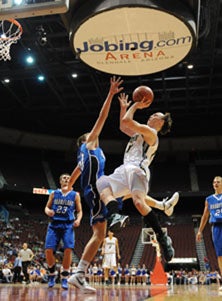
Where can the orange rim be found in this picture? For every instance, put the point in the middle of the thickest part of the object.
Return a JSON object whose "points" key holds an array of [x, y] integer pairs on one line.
{"points": [[16, 23]]}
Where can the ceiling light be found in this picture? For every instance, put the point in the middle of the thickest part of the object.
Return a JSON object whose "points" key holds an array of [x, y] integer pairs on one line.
{"points": [[41, 78], [29, 59], [6, 80], [74, 75], [190, 66], [18, 2]]}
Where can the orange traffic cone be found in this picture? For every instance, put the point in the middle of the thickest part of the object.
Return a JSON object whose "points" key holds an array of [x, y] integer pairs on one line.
{"points": [[158, 275]]}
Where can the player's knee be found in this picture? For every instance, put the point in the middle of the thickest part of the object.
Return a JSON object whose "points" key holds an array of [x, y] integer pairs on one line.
{"points": [[98, 236], [102, 183], [101, 237], [98, 239], [138, 202], [139, 206], [49, 252], [67, 251]]}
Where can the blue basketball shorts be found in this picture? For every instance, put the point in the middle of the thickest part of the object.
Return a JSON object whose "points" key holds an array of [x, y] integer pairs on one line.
{"points": [[217, 238], [56, 232]]}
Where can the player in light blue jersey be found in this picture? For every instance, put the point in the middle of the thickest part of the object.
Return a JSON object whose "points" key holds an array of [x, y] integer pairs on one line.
{"points": [[90, 166], [213, 213], [61, 207]]}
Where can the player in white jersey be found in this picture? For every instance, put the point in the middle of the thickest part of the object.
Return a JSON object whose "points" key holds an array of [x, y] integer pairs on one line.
{"points": [[110, 251], [133, 176]]}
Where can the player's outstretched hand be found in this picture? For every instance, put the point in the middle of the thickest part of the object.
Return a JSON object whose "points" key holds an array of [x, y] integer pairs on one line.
{"points": [[123, 100], [115, 84]]}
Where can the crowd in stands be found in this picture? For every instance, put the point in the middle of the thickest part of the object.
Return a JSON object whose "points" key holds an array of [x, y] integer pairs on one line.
{"points": [[32, 230], [128, 275]]}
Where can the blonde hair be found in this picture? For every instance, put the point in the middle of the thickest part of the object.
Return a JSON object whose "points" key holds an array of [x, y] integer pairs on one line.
{"points": [[217, 177], [81, 139]]}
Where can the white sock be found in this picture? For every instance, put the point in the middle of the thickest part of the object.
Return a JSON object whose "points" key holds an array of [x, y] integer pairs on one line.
{"points": [[159, 205], [82, 266]]}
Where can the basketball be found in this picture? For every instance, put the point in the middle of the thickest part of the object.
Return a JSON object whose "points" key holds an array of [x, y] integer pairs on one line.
{"points": [[143, 92]]}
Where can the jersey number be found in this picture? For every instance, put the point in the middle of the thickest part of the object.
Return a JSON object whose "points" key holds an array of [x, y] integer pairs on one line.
{"points": [[218, 212], [61, 209]]}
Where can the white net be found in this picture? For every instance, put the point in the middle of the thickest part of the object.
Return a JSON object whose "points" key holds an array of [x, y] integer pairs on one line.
{"points": [[10, 33]]}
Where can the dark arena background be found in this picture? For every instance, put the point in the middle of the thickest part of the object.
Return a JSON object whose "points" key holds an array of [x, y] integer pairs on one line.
{"points": [[51, 92]]}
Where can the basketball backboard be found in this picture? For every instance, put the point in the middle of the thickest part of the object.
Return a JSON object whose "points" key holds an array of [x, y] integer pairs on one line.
{"points": [[18, 9], [149, 236]]}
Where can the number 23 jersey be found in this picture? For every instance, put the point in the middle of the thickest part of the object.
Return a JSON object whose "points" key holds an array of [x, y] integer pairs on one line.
{"points": [[215, 207], [64, 205]]}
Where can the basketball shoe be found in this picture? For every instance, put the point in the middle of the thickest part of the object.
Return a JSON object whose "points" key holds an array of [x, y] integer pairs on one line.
{"points": [[51, 281], [169, 204], [64, 283], [117, 221], [166, 245], [79, 282]]}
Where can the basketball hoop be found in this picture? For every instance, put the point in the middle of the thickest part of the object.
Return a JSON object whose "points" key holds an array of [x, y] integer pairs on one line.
{"points": [[10, 33]]}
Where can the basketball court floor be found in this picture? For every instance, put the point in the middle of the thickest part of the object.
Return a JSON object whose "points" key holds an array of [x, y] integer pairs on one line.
{"points": [[40, 292]]}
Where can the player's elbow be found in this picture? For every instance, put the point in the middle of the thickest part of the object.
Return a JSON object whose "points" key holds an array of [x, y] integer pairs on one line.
{"points": [[122, 127], [125, 119], [127, 126], [126, 122]]}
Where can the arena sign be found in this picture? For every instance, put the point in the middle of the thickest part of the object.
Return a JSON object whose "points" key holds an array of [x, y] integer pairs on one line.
{"points": [[133, 40]]}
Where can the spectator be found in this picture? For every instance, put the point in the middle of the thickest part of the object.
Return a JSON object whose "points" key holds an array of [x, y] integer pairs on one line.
{"points": [[17, 269], [207, 263], [7, 274]]}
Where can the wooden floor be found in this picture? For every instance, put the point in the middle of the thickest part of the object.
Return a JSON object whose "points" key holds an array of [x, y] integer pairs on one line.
{"points": [[40, 292]]}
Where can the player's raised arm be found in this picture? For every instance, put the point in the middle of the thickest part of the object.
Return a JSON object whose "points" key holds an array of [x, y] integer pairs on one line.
{"points": [[124, 105], [98, 126]]}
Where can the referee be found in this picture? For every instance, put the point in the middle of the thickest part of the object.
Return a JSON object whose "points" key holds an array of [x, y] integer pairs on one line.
{"points": [[26, 255]]}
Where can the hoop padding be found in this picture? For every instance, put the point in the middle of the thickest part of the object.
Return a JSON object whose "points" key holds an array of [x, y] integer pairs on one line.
{"points": [[10, 33]]}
